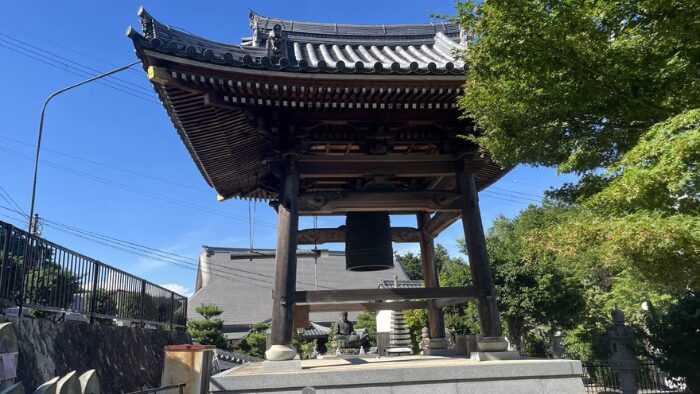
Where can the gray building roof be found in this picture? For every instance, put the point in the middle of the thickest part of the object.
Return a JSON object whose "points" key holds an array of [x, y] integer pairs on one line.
{"points": [[286, 45], [400, 284], [243, 287]]}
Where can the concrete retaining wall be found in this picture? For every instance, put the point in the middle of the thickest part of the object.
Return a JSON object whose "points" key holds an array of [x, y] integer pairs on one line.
{"points": [[126, 359]]}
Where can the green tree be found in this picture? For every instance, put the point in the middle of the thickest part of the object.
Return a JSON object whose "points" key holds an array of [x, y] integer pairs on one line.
{"points": [[673, 336], [576, 84], [255, 343], [452, 271], [608, 90], [368, 321], [459, 319], [50, 285], [411, 265], [532, 291], [210, 330]]}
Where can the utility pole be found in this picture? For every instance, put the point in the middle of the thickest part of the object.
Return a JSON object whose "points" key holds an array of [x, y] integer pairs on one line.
{"points": [[41, 130]]}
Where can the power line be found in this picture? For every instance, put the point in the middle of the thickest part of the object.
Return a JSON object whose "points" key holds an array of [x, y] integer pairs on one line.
{"points": [[44, 51], [86, 55], [134, 251], [106, 165], [72, 69], [517, 192], [156, 254], [7, 197], [132, 189]]}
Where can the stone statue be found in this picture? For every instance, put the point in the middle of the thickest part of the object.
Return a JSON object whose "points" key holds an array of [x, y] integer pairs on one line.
{"points": [[346, 340]]}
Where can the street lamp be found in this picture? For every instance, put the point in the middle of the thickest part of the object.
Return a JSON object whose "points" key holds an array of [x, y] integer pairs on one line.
{"points": [[41, 129]]}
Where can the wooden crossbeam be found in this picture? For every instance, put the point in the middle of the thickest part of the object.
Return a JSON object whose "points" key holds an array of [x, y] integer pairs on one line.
{"points": [[439, 222], [404, 201], [366, 295], [318, 166], [363, 306], [337, 235]]}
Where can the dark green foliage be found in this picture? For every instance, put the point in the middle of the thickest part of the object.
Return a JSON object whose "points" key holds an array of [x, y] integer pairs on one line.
{"points": [[459, 319], [50, 285], [255, 343], [209, 310], [368, 320], [575, 84], [411, 264], [532, 291], [208, 331], [674, 334]]}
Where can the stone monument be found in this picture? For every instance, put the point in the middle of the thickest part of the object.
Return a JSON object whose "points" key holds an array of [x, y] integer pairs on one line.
{"points": [[400, 337], [622, 357], [345, 339]]}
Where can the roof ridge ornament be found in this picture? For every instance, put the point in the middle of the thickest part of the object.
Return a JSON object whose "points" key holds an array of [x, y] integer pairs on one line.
{"points": [[147, 23], [276, 43]]}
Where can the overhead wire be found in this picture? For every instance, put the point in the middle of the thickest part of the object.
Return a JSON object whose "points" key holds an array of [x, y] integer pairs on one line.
{"points": [[44, 51], [58, 45], [149, 252], [106, 165], [132, 189], [71, 68], [7, 197], [135, 251]]}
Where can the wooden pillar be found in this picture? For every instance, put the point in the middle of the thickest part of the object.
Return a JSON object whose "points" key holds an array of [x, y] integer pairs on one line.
{"points": [[476, 248], [285, 266], [436, 321]]}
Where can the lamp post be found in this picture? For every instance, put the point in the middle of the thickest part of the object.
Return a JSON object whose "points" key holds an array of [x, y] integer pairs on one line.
{"points": [[41, 129]]}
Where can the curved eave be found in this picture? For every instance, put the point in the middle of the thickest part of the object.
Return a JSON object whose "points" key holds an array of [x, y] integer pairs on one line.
{"points": [[162, 95]]}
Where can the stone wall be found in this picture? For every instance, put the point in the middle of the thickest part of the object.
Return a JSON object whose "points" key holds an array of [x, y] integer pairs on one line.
{"points": [[126, 359]]}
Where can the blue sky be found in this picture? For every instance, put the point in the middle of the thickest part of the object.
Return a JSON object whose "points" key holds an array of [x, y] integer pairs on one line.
{"points": [[114, 164]]}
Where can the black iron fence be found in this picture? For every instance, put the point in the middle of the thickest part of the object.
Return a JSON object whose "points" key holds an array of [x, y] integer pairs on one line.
{"points": [[600, 377], [49, 279]]}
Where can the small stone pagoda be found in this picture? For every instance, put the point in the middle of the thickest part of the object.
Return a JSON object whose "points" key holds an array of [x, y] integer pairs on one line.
{"points": [[331, 119]]}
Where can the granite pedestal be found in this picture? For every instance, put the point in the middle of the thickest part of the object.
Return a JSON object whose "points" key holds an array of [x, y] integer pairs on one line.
{"points": [[407, 375]]}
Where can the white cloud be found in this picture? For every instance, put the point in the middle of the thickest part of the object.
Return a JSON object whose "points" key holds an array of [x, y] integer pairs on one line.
{"points": [[178, 288]]}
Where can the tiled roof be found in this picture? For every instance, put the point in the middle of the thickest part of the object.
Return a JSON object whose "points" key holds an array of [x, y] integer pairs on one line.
{"points": [[276, 44], [225, 359], [247, 298], [402, 284], [315, 330]]}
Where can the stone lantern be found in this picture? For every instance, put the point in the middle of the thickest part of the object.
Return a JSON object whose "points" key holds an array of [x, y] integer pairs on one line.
{"points": [[623, 359]]}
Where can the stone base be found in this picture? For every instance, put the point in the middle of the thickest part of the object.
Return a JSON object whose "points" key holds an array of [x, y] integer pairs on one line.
{"points": [[492, 344], [439, 352], [437, 343], [281, 366], [399, 351], [280, 353], [407, 375], [491, 356]]}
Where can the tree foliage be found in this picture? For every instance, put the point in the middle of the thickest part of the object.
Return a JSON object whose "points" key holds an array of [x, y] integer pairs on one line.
{"points": [[368, 321], [675, 338], [576, 84], [255, 343], [208, 331], [532, 291]]}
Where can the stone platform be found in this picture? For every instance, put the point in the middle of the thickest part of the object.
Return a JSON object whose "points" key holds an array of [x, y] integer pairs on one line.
{"points": [[406, 375]]}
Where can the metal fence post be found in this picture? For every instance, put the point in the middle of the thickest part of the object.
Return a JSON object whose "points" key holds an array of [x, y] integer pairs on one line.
{"points": [[143, 300], [172, 309], [23, 276], [3, 264], [93, 297]]}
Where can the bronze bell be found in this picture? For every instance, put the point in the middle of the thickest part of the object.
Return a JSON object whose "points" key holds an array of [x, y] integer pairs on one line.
{"points": [[368, 241]]}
